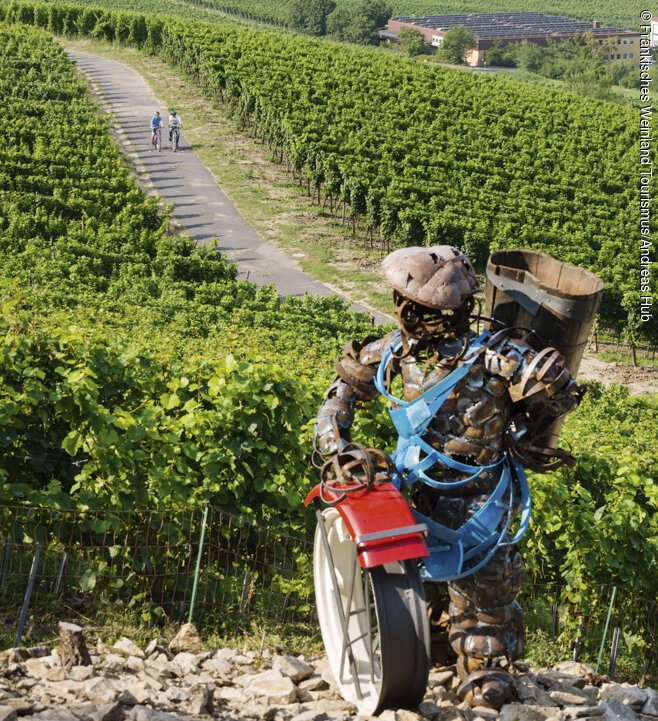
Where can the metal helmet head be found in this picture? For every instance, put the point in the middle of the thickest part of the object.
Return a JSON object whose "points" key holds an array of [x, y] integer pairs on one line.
{"points": [[434, 289]]}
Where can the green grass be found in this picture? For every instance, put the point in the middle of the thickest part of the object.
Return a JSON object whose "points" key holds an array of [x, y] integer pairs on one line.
{"points": [[107, 622], [616, 93], [292, 638], [644, 360]]}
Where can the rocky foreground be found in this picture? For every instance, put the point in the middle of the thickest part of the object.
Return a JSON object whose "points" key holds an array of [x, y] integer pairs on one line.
{"points": [[182, 682]]}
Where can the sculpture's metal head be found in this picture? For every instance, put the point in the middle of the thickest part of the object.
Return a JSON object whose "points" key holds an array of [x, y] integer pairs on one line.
{"points": [[433, 290]]}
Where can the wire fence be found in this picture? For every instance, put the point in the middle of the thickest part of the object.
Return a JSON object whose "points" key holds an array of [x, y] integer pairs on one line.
{"points": [[612, 628], [232, 577], [202, 565], [645, 356]]}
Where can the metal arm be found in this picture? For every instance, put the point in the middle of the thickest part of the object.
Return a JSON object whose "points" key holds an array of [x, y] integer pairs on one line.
{"points": [[542, 391], [356, 370]]}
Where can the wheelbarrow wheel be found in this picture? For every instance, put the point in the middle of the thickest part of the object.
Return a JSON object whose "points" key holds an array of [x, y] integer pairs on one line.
{"points": [[373, 621]]}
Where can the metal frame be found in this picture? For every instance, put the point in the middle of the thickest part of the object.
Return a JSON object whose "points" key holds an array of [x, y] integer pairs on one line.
{"points": [[345, 613]]}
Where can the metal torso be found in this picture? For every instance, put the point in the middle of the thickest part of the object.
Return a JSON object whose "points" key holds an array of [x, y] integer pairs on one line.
{"points": [[470, 426], [508, 394], [472, 421]]}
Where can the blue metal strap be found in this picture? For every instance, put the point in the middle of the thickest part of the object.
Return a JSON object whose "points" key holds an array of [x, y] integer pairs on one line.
{"points": [[387, 356], [413, 417], [443, 387], [525, 501], [412, 469], [487, 530], [450, 549], [480, 526]]}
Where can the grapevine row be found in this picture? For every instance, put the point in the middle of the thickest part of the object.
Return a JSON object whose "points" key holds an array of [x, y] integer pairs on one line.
{"points": [[276, 12], [136, 372], [134, 366], [415, 154]]}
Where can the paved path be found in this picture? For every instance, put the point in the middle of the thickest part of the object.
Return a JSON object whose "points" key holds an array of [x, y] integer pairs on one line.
{"points": [[200, 206]]}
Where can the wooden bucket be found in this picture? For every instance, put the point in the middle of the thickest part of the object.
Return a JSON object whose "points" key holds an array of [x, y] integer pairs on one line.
{"points": [[558, 301]]}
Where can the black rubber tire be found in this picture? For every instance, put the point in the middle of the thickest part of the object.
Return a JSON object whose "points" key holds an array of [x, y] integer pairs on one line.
{"points": [[404, 634], [398, 622]]}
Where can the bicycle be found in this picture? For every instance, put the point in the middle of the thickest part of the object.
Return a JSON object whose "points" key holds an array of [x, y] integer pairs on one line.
{"points": [[156, 139], [175, 138]]}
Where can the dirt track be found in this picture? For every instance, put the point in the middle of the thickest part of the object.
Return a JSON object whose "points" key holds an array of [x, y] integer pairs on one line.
{"points": [[638, 380]]}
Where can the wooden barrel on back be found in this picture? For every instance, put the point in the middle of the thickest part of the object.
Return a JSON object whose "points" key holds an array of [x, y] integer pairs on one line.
{"points": [[556, 300]]}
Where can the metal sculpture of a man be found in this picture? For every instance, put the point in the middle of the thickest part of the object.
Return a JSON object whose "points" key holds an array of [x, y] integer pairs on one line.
{"points": [[471, 412]]}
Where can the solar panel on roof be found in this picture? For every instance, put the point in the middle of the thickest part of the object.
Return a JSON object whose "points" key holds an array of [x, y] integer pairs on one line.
{"points": [[513, 24]]}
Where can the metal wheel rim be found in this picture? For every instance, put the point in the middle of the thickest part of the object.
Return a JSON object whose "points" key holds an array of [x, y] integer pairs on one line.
{"points": [[354, 657]]}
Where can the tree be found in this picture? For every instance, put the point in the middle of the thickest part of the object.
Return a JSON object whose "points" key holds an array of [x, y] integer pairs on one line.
{"points": [[412, 41], [370, 16], [338, 23], [358, 23], [624, 74], [456, 44], [503, 56], [310, 16], [529, 57]]}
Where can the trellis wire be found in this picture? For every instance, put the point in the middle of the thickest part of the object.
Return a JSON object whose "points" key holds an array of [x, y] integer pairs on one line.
{"points": [[158, 559], [232, 575]]}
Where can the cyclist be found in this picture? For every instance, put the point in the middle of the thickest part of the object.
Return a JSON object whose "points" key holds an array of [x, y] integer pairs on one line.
{"points": [[156, 126], [174, 122]]}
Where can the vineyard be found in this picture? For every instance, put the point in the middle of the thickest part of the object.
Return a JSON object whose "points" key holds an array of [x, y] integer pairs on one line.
{"points": [[609, 13], [87, 268], [414, 154], [190, 9], [138, 373]]}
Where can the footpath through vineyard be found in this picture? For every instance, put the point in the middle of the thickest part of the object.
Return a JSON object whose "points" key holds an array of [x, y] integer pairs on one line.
{"points": [[203, 211], [201, 208]]}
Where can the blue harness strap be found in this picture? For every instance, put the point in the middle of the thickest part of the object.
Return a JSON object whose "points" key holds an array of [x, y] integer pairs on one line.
{"points": [[482, 535], [487, 530]]}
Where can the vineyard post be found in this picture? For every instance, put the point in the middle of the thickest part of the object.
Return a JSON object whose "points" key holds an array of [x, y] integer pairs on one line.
{"points": [[4, 567], [198, 563], [28, 594], [60, 572], [579, 638], [246, 587], [605, 629], [554, 620], [613, 651]]}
